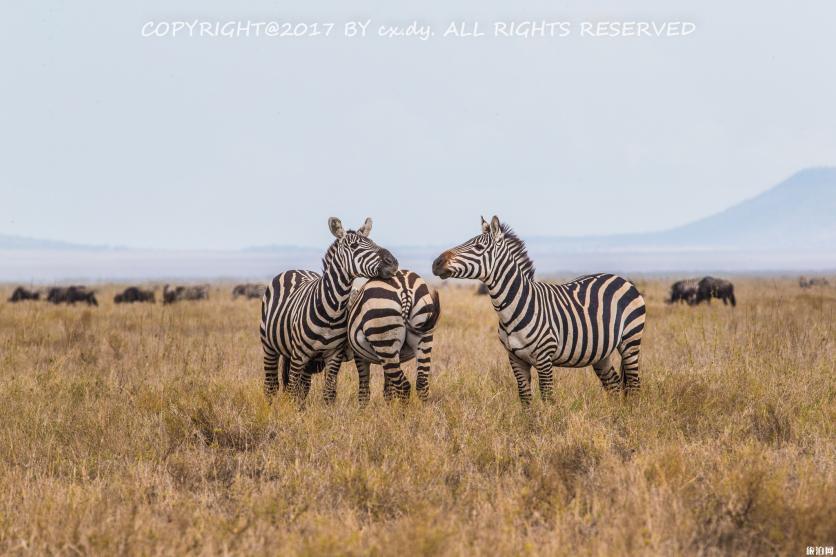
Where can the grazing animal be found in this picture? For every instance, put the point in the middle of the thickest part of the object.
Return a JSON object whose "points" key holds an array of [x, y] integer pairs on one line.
{"points": [[482, 290], [183, 293], [710, 287], [21, 294], [684, 291], [304, 314], [391, 321], [134, 294], [804, 282], [71, 294], [575, 324], [248, 291]]}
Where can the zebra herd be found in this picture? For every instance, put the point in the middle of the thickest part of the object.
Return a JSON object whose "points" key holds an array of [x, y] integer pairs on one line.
{"points": [[311, 322]]}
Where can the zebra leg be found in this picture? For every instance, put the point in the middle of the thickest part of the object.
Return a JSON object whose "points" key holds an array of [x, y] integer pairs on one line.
{"points": [[363, 367], [545, 377], [398, 383], [332, 369], [522, 373], [630, 352], [423, 361], [271, 372], [299, 381], [605, 370]]}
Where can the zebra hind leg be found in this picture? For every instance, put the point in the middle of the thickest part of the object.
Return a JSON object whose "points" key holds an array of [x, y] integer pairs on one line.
{"points": [[363, 368], [399, 385], [609, 377], [423, 359], [630, 353]]}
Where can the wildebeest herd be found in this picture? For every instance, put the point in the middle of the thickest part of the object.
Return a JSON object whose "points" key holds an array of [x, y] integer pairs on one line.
{"points": [[695, 291], [133, 294]]}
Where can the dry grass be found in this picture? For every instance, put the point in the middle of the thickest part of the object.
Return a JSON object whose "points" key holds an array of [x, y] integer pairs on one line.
{"points": [[143, 430]]}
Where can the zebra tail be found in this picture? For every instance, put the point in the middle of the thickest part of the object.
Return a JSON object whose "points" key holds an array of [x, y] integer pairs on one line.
{"points": [[430, 323]]}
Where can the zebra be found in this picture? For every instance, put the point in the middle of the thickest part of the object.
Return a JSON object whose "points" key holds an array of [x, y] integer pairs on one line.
{"points": [[303, 313], [391, 321], [575, 324]]}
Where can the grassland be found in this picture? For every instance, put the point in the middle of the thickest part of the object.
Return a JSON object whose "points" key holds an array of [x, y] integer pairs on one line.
{"points": [[143, 430]]}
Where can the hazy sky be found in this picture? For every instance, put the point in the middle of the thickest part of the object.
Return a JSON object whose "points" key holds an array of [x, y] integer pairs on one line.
{"points": [[109, 137]]}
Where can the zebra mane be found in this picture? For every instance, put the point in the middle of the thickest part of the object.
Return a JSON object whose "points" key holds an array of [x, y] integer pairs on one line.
{"points": [[519, 251]]}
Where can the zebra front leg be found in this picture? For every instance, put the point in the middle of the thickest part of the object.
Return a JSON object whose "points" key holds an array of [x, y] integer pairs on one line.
{"points": [[398, 383], [363, 367], [271, 373], [332, 369], [522, 373], [545, 377], [423, 361], [605, 370]]}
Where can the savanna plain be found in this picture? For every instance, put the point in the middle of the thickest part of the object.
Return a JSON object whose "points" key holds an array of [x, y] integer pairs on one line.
{"points": [[143, 430]]}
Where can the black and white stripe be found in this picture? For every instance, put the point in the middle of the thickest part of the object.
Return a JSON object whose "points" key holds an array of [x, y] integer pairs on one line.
{"points": [[391, 321], [303, 313], [580, 323]]}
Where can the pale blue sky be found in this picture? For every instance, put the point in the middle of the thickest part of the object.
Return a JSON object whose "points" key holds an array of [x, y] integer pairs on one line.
{"points": [[108, 137]]}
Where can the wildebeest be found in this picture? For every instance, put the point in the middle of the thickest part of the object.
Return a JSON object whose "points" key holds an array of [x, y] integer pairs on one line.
{"points": [[710, 287], [180, 293], [482, 290], [21, 294], [134, 294], [804, 282], [684, 291], [248, 291], [71, 295]]}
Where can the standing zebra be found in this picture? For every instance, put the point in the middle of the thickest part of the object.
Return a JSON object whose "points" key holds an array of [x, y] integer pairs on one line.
{"points": [[303, 313], [391, 321], [575, 324]]}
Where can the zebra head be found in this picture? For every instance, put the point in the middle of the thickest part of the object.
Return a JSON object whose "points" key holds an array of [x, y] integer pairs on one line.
{"points": [[357, 254], [477, 257]]}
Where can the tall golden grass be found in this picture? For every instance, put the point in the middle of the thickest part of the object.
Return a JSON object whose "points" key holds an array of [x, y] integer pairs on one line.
{"points": [[143, 430]]}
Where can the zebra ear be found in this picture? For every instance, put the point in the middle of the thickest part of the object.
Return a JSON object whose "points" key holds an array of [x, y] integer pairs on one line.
{"points": [[485, 225], [366, 229], [496, 227], [336, 227]]}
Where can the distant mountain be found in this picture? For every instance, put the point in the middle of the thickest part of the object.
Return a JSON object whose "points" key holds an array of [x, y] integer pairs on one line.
{"points": [[790, 227], [799, 214], [20, 243]]}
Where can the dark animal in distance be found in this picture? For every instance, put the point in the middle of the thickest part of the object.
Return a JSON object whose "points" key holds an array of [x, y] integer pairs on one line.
{"points": [[249, 291], [71, 294], [134, 294], [684, 291], [482, 290], [181, 293], [710, 287], [22, 294], [804, 282]]}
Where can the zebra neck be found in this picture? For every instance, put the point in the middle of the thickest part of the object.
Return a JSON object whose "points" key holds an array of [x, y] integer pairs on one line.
{"points": [[508, 287], [334, 290]]}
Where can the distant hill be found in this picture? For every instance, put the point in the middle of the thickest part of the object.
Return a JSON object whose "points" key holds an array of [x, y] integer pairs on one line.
{"points": [[797, 214], [790, 227]]}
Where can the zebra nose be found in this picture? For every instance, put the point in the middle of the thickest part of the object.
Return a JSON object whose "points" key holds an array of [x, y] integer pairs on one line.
{"points": [[439, 264]]}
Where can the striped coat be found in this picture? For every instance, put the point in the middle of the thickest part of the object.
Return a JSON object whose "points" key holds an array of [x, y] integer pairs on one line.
{"points": [[303, 313], [577, 324], [391, 321]]}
